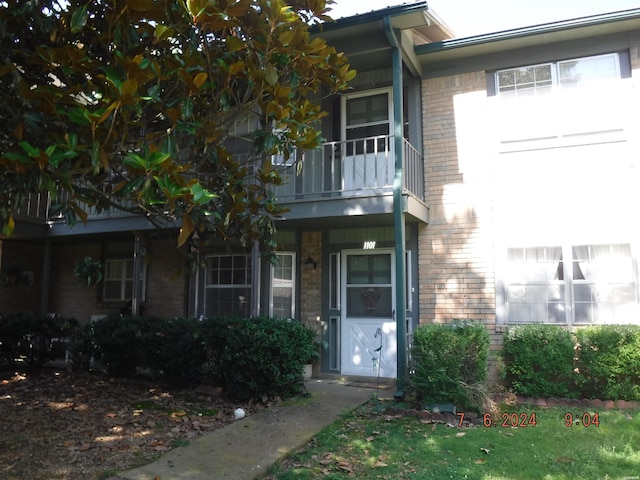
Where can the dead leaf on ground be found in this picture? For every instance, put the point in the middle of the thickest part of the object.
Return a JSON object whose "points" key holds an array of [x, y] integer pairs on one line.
{"points": [[461, 434]]}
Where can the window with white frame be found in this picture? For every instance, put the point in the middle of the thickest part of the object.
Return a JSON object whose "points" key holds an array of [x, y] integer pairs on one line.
{"points": [[575, 284], [367, 115], [541, 78], [118, 280], [227, 285], [283, 283]]}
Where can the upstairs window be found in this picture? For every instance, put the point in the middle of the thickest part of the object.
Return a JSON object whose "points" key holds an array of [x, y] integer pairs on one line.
{"points": [[540, 79]]}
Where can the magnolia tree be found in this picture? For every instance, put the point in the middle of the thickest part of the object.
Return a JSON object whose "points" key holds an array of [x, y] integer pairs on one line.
{"points": [[131, 104]]}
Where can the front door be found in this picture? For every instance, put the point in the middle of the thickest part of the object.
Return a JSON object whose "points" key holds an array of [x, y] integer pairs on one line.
{"points": [[368, 318]]}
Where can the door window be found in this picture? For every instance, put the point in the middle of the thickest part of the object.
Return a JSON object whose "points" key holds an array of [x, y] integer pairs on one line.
{"points": [[368, 286]]}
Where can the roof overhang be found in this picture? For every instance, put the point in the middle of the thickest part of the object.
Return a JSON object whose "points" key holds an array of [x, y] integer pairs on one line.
{"points": [[363, 39], [437, 55]]}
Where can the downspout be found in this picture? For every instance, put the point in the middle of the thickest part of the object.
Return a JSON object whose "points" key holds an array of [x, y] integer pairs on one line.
{"points": [[138, 248], [398, 215]]}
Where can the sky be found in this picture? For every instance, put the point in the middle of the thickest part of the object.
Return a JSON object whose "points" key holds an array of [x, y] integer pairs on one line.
{"points": [[475, 17]]}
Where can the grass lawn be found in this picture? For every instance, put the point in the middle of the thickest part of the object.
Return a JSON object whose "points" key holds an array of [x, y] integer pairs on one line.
{"points": [[370, 444]]}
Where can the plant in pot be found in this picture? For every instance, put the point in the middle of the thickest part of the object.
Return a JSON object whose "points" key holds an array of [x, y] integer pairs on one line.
{"points": [[88, 271]]}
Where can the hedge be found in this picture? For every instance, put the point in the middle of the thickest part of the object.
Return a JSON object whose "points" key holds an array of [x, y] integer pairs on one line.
{"points": [[446, 358]]}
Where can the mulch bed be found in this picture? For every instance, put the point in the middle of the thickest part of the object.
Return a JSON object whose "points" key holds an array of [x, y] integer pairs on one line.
{"points": [[78, 426]]}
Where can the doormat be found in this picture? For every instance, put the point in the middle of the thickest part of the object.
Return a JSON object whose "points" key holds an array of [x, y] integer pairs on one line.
{"points": [[381, 386]]}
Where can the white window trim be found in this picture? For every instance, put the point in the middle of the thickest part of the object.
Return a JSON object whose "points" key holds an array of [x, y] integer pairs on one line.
{"points": [[360, 94], [123, 279], [293, 284], [502, 304], [555, 84]]}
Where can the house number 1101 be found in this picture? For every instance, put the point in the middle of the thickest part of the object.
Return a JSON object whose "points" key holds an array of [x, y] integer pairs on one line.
{"points": [[369, 245]]}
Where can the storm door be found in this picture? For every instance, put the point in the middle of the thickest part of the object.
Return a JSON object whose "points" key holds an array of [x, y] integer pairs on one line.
{"points": [[368, 333]]}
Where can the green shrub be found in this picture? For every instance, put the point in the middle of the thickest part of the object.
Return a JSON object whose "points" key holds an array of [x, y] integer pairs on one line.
{"points": [[260, 356], [173, 350], [26, 337], [447, 357], [609, 362], [114, 342], [248, 358], [538, 361]]}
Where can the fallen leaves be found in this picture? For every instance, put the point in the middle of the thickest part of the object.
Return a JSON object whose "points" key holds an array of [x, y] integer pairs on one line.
{"points": [[86, 424]]}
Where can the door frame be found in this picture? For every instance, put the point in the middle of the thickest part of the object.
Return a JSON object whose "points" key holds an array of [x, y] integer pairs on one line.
{"points": [[346, 321]]}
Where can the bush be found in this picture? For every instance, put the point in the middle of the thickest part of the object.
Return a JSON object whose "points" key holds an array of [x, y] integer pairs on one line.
{"points": [[26, 337], [114, 341], [248, 358], [173, 350], [608, 363], [261, 356], [538, 361], [448, 358]]}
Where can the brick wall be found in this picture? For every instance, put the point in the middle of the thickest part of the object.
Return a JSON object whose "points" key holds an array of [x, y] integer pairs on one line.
{"points": [[166, 280], [28, 257], [456, 259], [311, 284], [311, 287], [165, 292], [68, 296]]}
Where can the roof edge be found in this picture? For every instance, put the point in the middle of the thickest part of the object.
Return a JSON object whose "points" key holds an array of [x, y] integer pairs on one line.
{"points": [[375, 15], [530, 31]]}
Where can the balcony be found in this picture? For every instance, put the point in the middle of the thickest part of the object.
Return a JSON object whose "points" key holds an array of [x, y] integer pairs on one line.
{"points": [[351, 168], [352, 181], [352, 177]]}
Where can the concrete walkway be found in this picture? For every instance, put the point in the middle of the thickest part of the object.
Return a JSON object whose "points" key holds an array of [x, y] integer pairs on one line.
{"points": [[246, 448]]}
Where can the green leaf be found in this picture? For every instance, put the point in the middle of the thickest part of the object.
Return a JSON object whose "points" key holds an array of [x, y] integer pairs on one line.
{"points": [[79, 19], [9, 226], [201, 195], [30, 149], [271, 75]]}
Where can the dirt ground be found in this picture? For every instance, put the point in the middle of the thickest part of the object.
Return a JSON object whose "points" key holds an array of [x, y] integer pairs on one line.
{"points": [[56, 424]]}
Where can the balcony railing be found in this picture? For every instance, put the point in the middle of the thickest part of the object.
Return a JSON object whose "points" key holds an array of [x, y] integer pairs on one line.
{"points": [[351, 168]]}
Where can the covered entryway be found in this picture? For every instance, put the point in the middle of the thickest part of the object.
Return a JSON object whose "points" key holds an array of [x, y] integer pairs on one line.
{"points": [[368, 323]]}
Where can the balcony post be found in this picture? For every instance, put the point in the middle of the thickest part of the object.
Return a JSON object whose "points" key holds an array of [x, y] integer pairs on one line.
{"points": [[398, 215]]}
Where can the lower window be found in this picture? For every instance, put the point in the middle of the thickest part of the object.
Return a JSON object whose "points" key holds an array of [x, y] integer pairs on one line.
{"points": [[228, 285], [579, 284], [118, 280], [282, 302]]}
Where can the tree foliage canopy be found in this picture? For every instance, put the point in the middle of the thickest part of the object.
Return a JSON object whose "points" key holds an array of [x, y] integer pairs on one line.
{"points": [[133, 104]]}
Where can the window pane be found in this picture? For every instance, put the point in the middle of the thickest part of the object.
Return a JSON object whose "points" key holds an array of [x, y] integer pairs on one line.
{"points": [[283, 286], [369, 109], [369, 301], [525, 80], [604, 286], [535, 286], [228, 285], [227, 301], [334, 283], [585, 70]]}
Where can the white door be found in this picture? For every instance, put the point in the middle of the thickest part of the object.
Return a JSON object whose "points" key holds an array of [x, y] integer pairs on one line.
{"points": [[367, 160], [368, 332]]}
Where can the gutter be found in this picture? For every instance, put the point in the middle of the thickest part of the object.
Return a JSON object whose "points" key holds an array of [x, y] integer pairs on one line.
{"points": [[543, 29], [398, 214]]}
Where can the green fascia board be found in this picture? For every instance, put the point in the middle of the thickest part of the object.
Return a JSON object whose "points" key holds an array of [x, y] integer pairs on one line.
{"points": [[546, 28], [370, 17]]}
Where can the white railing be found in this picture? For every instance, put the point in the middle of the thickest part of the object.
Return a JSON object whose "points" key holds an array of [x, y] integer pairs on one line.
{"points": [[350, 168], [364, 166]]}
